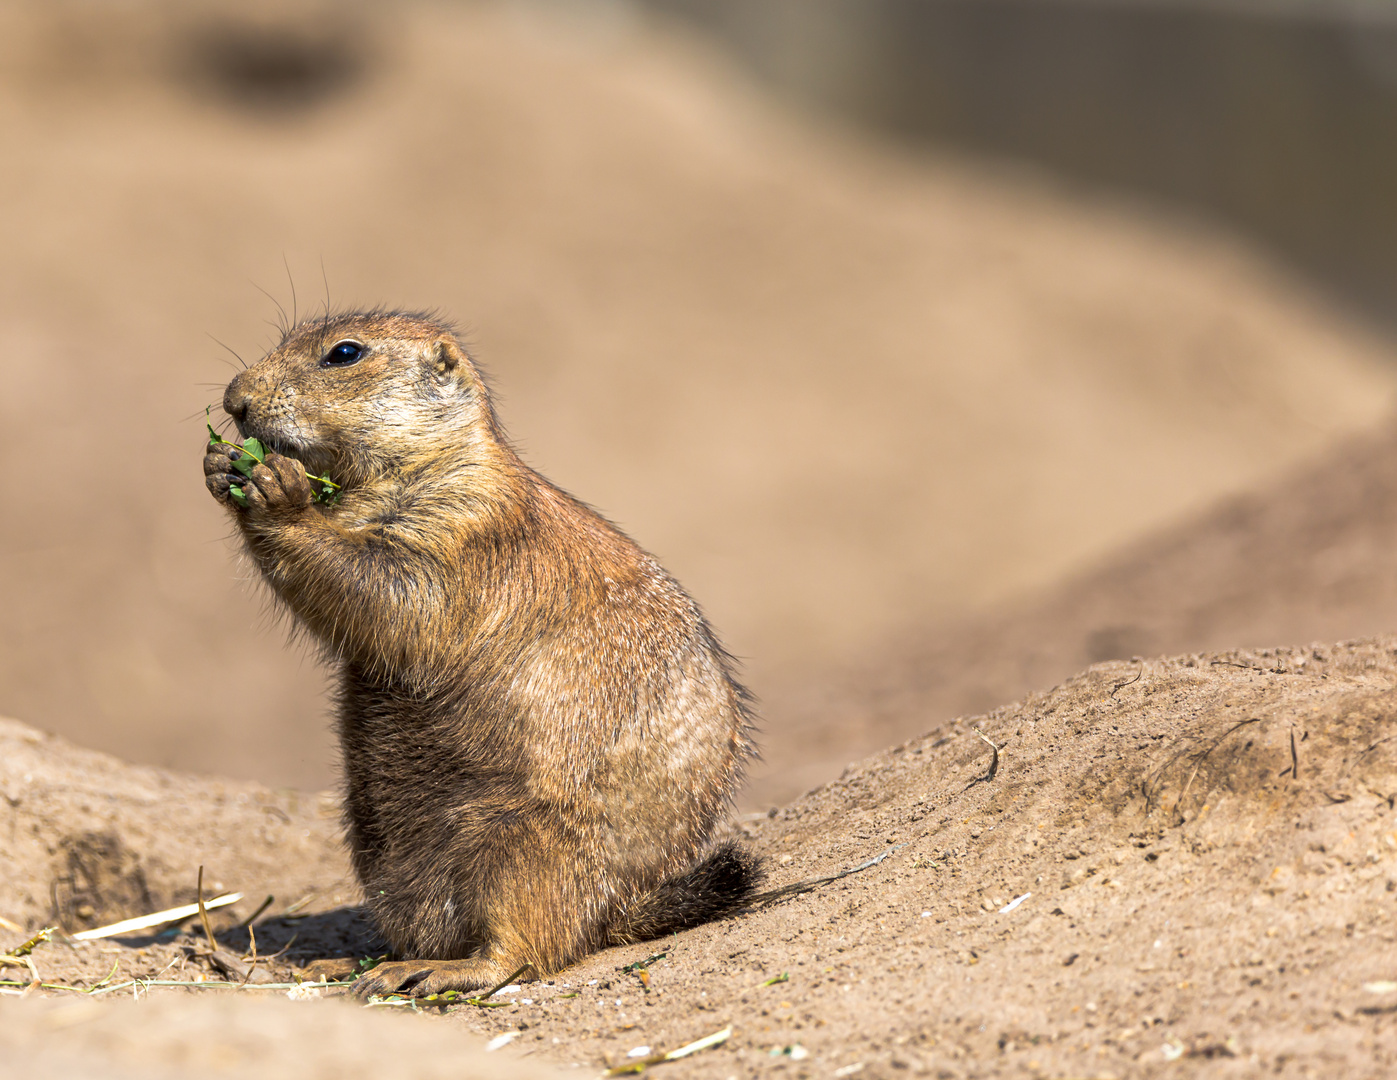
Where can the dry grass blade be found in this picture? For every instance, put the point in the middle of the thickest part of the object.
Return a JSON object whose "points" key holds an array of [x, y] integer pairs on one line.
{"points": [[1128, 682], [252, 935], [263, 906], [204, 913], [110, 975], [294, 910], [716, 1039], [158, 918], [206, 984], [500, 986], [994, 749], [11, 985], [773, 895]]}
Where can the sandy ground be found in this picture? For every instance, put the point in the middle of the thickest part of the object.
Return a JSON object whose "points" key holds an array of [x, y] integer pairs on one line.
{"points": [[842, 391], [1178, 867], [924, 438], [171, 1038]]}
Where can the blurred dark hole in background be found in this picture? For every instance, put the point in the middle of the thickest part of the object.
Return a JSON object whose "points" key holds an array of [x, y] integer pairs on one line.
{"points": [[276, 67], [1280, 116]]}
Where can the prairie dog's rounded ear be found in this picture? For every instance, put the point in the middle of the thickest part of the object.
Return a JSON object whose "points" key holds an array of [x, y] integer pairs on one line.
{"points": [[447, 358]]}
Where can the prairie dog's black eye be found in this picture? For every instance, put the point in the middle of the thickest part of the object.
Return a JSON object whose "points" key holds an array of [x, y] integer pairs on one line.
{"points": [[342, 354]]}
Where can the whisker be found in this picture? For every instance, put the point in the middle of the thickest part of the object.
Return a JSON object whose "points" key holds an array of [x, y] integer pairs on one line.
{"points": [[207, 411], [325, 321], [230, 349], [281, 327], [292, 282]]}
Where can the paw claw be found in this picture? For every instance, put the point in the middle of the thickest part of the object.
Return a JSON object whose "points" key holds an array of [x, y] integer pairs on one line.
{"points": [[425, 978], [390, 978]]}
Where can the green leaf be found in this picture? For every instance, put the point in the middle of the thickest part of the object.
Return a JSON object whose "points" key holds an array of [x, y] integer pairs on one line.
{"points": [[328, 492], [245, 464], [237, 494], [256, 449]]}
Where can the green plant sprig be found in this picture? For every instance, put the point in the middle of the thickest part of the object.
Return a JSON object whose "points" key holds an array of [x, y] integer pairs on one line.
{"points": [[326, 491], [19, 952]]}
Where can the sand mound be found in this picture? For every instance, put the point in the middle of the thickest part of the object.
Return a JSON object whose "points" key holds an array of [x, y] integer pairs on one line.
{"points": [[836, 388], [91, 840], [1309, 557], [1193, 857]]}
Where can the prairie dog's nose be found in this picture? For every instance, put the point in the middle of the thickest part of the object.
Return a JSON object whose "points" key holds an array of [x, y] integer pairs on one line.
{"points": [[237, 398]]}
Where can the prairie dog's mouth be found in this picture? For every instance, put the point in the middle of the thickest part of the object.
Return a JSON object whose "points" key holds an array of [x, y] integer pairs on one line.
{"points": [[276, 441], [279, 444], [313, 458]]}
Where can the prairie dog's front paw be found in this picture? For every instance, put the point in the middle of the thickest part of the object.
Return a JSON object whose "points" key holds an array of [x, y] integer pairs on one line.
{"points": [[278, 486], [275, 486], [222, 477], [422, 978]]}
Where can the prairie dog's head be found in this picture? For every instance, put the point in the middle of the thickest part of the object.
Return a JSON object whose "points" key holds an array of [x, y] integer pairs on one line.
{"points": [[365, 394]]}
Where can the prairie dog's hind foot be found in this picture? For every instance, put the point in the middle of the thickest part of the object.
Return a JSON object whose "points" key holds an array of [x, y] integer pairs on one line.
{"points": [[422, 978]]}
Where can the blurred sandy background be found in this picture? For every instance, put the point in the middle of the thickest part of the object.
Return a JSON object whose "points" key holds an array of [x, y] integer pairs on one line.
{"points": [[845, 390]]}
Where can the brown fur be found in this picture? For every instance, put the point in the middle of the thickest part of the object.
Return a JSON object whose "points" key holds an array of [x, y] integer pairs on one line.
{"points": [[539, 728]]}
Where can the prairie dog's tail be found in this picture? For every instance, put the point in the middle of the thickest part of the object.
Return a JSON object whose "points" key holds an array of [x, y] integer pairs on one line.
{"points": [[721, 884]]}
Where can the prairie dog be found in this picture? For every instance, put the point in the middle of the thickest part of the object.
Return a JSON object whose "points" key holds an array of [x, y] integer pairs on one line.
{"points": [[539, 729]]}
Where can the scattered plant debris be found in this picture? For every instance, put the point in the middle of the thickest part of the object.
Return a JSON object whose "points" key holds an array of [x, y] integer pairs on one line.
{"points": [[20, 956], [995, 748], [16, 955], [770, 897], [641, 964], [716, 1039]]}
